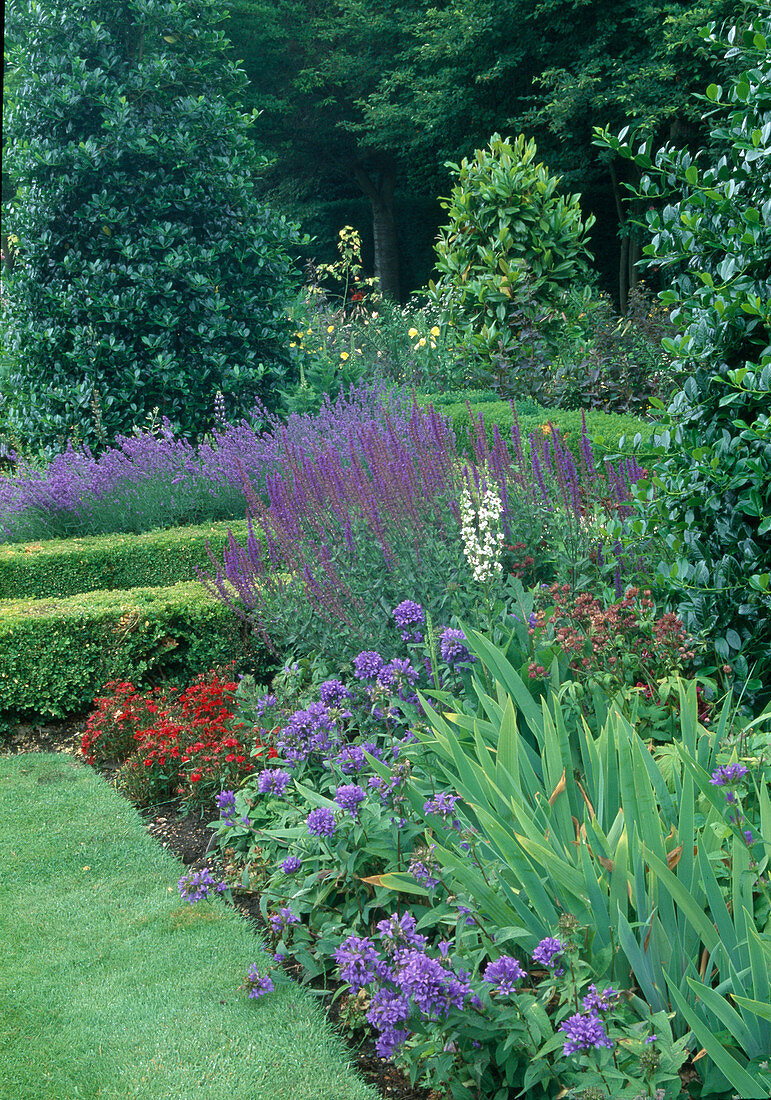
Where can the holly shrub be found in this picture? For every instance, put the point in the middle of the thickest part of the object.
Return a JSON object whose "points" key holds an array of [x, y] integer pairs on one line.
{"points": [[145, 273], [710, 219]]}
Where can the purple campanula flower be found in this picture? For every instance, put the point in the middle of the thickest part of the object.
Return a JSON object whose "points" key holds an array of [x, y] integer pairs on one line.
{"points": [[727, 774], [281, 920], [226, 804], [651, 1039], [409, 615], [321, 822], [547, 951], [358, 960], [332, 692], [258, 984], [351, 758], [433, 988], [442, 803], [452, 648], [747, 834], [397, 672], [387, 1009], [595, 1002], [273, 781], [291, 864], [349, 797], [367, 665], [307, 731], [584, 1033], [197, 885], [397, 931], [503, 973]]}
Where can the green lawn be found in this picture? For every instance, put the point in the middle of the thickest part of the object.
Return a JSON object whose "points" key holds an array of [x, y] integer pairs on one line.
{"points": [[111, 986]]}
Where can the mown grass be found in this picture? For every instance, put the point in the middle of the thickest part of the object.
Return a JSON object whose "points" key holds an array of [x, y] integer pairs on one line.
{"points": [[111, 987]]}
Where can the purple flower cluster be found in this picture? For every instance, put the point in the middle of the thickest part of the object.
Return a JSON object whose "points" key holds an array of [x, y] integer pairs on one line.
{"points": [[307, 731], [257, 984], [291, 864], [595, 1002], [548, 953], [409, 617], [349, 797], [281, 920], [333, 692], [728, 774], [198, 885], [351, 758], [503, 973], [359, 962], [452, 647], [367, 665], [583, 1033], [273, 781], [226, 804], [443, 804], [321, 822]]}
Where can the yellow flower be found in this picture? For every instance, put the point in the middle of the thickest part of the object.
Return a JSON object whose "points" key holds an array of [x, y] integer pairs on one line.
{"points": [[433, 345], [435, 330], [330, 328], [546, 429], [310, 332], [344, 355], [412, 333], [421, 342]]}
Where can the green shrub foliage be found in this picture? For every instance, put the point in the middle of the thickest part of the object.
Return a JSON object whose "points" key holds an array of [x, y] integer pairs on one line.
{"points": [[710, 216], [145, 273], [512, 238]]}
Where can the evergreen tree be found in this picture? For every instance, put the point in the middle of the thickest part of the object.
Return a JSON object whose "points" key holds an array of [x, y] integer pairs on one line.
{"points": [[146, 274]]}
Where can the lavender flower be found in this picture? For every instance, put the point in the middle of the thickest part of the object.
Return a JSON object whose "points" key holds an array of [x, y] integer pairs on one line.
{"points": [[291, 864], [727, 774], [273, 781], [349, 797], [198, 885], [257, 984], [584, 1033], [321, 822], [503, 973]]}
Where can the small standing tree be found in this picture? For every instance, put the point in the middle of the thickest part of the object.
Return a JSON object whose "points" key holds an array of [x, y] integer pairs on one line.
{"points": [[146, 273]]}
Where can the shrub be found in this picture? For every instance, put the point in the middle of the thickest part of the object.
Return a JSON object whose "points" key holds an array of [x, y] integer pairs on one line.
{"points": [[56, 654], [146, 275], [512, 239], [709, 218]]}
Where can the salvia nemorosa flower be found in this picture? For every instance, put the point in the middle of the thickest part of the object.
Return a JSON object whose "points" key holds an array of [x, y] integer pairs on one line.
{"points": [[584, 1033], [503, 973], [321, 822]]}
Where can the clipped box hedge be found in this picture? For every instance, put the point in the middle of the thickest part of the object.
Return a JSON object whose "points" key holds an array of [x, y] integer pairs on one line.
{"points": [[605, 429], [67, 567], [56, 654]]}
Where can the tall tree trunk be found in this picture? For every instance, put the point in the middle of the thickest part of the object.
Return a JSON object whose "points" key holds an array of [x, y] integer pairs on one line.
{"points": [[379, 189]]}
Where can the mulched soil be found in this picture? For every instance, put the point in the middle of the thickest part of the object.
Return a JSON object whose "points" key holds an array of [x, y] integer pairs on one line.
{"points": [[189, 839]]}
